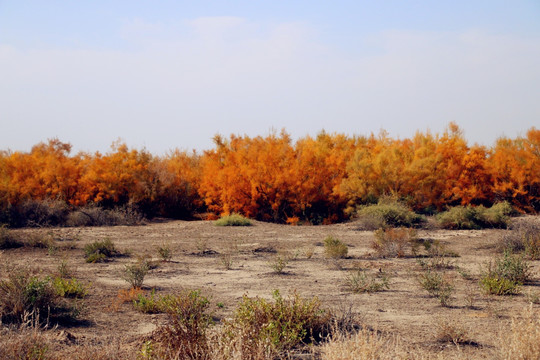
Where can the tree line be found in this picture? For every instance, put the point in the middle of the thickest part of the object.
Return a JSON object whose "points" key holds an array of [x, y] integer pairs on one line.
{"points": [[320, 179]]}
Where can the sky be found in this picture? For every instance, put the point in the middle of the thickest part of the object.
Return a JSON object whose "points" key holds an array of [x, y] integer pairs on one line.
{"points": [[166, 74]]}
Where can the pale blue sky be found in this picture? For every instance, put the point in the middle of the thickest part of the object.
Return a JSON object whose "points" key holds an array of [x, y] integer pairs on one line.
{"points": [[168, 74]]}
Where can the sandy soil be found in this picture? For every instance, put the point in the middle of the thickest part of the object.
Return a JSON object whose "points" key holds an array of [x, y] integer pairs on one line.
{"points": [[405, 309]]}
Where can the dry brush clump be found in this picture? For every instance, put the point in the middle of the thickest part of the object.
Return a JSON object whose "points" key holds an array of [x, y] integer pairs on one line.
{"points": [[522, 340], [100, 251], [522, 238], [364, 344], [388, 213], [27, 294], [394, 242]]}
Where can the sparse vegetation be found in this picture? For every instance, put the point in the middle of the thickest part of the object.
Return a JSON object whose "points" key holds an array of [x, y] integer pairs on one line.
{"points": [[233, 220], [470, 217], [134, 274], [451, 331], [360, 281], [394, 302], [522, 340], [25, 295], [335, 248], [278, 263], [71, 288], [505, 275], [393, 242], [388, 213], [100, 251], [436, 285], [523, 238], [165, 252], [279, 325]]}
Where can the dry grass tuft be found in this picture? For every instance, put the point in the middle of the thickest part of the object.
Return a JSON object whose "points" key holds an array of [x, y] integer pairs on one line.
{"points": [[365, 344], [522, 342]]}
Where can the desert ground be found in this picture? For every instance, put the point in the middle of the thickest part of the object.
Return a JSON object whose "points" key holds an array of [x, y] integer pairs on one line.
{"points": [[200, 248]]}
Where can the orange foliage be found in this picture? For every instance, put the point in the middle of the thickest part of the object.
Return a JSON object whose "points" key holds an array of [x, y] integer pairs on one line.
{"points": [[273, 179], [515, 167]]}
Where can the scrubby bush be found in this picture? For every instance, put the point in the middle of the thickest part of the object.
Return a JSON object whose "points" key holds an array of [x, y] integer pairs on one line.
{"points": [[93, 215], [451, 331], [505, 275], [279, 325], [360, 282], [25, 294], [38, 213], [278, 263], [388, 213], [69, 288], [233, 220], [149, 304], [459, 217], [134, 274], [393, 242], [165, 252], [497, 216], [524, 238], [335, 248], [185, 337], [99, 251], [436, 285], [470, 217]]}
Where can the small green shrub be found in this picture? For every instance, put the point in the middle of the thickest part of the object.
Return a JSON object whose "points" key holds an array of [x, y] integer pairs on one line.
{"points": [[226, 259], [165, 252], [71, 288], [499, 286], [134, 274], [436, 285], [100, 251], [233, 220], [497, 216], [335, 248], [389, 213], [360, 282], [149, 304], [459, 218], [470, 217], [281, 324], [505, 275], [279, 263]]}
